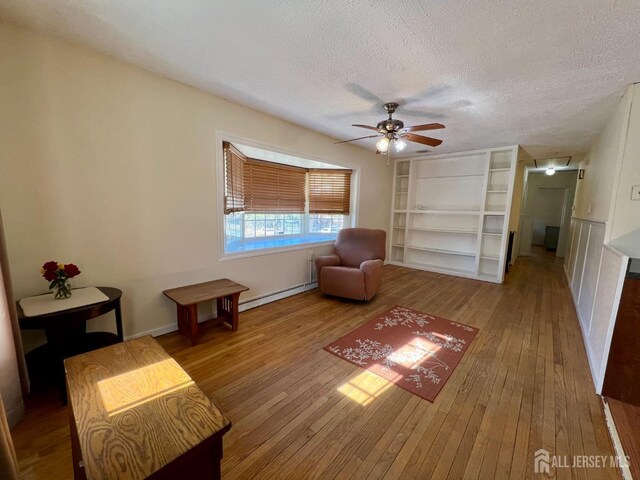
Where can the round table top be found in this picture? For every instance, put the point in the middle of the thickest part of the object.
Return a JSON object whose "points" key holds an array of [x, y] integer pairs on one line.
{"points": [[84, 312]]}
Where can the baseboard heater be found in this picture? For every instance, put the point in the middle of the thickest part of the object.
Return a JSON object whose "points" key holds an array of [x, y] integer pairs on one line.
{"points": [[278, 295]]}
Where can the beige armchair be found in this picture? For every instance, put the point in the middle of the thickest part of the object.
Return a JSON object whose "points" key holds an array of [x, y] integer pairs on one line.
{"points": [[354, 269]]}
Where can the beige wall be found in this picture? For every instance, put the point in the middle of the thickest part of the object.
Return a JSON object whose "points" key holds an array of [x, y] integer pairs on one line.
{"points": [[113, 168], [612, 167], [601, 164], [516, 200], [518, 190], [626, 212]]}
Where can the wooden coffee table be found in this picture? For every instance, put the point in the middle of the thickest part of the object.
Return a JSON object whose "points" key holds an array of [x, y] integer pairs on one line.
{"points": [[225, 292], [135, 413]]}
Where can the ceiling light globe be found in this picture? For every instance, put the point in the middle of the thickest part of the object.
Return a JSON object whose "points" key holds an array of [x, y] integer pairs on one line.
{"points": [[400, 144], [383, 144], [550, 171]]}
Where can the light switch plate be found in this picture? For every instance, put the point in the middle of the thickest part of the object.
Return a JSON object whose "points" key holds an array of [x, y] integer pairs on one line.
{"points": [[635, 192]]}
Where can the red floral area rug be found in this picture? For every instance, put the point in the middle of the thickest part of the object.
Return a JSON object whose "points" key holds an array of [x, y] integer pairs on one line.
{"points": [[416, 351]]}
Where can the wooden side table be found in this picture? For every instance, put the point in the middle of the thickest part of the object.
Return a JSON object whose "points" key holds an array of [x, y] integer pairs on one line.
{"points": [[66, 330], [225, 292], [135, 413]]}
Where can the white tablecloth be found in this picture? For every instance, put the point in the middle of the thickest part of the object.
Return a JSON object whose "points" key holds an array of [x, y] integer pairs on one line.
{"points": [[43, 304]]}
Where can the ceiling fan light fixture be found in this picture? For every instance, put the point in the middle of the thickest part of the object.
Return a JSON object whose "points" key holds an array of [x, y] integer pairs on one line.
{"points": [[550, 171], [383, 144], [393, 131], [400, 144]]}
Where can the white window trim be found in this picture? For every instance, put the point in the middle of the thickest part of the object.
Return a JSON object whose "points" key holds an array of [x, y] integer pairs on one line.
{"points": [[221, 137]]}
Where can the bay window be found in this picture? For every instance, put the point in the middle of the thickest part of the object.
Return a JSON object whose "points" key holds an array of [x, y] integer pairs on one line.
{"points": [[269, 204]]}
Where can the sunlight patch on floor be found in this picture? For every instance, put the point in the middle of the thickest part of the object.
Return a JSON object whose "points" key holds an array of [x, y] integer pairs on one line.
{"points": [[365, 387]]}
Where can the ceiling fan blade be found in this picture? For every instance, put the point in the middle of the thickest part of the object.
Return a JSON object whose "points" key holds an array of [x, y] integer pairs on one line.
{"points": [[432, 142], [365, 126], [354, 139], [363, 93], [428, 126]]}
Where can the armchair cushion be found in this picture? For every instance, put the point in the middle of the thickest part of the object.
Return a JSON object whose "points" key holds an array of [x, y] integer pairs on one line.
{"points": [[355, 245]]}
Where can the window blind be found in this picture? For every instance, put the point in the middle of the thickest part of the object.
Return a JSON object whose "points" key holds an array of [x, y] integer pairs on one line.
{"points": [[273, 187], [329, 191], [234, 189]]}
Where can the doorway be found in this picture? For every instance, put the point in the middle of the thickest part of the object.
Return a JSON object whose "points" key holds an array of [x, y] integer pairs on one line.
{"points": [[545, 217], [549, 217]]}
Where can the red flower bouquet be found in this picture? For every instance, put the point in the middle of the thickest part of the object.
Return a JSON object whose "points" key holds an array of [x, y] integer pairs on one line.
{"points": [[58, 275]]}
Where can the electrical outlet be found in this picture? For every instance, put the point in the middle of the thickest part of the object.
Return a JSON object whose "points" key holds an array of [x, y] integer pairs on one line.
{"points": [[311, 256], [635, 192]]}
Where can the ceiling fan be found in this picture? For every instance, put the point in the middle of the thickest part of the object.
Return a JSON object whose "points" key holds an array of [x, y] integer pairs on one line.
{"points": [[394, 131]]}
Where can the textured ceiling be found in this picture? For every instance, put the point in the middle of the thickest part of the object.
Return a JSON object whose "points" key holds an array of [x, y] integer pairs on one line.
{"points": [[543, 74]]}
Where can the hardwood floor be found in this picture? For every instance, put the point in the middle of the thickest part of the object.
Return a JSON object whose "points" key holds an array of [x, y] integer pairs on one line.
{"points": [[627, 420], [524, 384]]}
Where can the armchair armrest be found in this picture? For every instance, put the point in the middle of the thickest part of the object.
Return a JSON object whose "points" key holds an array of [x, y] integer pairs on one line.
{"points": [[372, 276], [331, 260]]}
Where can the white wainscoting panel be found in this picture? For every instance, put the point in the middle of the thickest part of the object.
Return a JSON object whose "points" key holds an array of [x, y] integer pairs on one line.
{"points": [[590, 272], [595, 273], [581, 258], [613, 267]]}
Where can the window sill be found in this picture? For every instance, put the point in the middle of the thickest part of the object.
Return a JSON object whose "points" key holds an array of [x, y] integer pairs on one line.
{"points": [[266, 246]]}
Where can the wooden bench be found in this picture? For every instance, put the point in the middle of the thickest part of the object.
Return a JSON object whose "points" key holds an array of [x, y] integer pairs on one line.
{"points": [[224, 291]]}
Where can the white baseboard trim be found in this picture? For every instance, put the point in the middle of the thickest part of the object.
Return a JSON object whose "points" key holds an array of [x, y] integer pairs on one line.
{"points": [[246, 305], [155, 332], [615, 439]]}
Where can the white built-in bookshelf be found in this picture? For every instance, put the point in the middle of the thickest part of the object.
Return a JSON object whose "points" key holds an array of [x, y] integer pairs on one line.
{"points": [[450, 212]]}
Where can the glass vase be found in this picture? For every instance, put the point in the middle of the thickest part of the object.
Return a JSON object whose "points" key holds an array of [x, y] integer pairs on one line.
{"points": [[62, 290]]}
